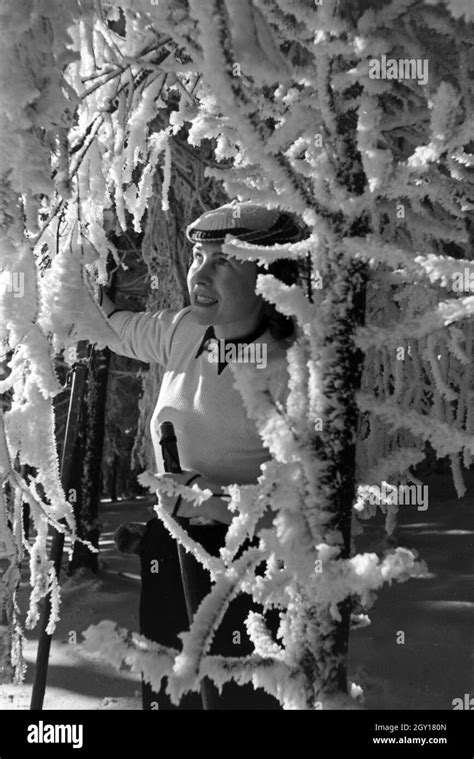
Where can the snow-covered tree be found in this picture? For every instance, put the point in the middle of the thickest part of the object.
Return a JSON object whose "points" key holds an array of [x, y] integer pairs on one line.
{"points": [[355, 116]]}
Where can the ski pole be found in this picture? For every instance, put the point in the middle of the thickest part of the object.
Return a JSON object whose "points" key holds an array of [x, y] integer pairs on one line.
{"points": [[193, 593]]}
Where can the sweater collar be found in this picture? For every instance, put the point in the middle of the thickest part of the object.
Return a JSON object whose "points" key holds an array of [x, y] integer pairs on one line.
{"points": [[210, 335]]}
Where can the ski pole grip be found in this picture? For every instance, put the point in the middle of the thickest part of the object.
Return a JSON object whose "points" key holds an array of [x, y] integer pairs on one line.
{"points": [[169, 448]]}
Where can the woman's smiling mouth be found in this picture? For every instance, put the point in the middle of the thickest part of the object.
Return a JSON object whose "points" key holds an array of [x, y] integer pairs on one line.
{"points": [[204, 300]]}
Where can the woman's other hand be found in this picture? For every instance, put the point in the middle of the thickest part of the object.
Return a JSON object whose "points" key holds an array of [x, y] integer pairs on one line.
{"points": [[213, 508], [168, 502]]}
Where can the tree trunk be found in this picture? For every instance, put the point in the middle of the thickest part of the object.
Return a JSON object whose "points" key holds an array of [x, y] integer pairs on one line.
{"points": [[342, 313], [9, 582], [114, 478], [325, 661], [87, 480]]}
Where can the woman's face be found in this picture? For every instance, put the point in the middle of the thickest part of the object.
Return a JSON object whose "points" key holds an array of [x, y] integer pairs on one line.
{"points": [[222, 289]]}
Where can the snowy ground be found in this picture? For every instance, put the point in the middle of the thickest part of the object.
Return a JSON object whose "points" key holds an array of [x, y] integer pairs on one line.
{"points": [[77, 680], [432, 667], [436, 663]]}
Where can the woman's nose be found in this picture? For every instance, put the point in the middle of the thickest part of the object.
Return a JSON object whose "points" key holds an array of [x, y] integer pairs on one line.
{"points": [[204, 272]]}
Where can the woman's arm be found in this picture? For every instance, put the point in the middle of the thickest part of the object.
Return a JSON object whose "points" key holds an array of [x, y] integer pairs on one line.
{"points": [[142, 335], [106, 304]]}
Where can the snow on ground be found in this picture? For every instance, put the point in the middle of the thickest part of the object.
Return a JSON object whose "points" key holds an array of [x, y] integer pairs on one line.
{"points": [[436, 663], [436, 614], [76, 679]]}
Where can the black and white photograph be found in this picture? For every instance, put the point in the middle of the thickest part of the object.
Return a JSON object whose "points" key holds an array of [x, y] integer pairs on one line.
{"points": [[237, 371]]}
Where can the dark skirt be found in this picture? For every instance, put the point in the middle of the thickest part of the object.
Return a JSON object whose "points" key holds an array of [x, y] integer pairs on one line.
{"points": [[163, 615]]}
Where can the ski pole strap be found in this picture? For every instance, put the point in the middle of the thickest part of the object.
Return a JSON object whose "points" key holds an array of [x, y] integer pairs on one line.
{"points": [[180, 497]]}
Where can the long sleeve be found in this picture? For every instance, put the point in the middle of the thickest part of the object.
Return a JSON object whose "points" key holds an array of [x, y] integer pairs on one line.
{"points": [[144, 336]]}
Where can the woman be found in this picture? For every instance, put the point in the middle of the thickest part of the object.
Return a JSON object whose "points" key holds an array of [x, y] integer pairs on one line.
{"points": [[218, 444]]}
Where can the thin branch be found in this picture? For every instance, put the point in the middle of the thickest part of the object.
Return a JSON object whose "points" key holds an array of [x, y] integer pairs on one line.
{"points": [[117, 72]]}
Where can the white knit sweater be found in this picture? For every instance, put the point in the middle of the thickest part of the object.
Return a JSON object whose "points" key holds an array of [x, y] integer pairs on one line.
{"points": [[214, 434]]}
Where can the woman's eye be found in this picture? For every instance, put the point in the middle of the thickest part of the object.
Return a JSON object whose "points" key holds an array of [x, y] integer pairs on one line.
{"points": [[223, 261]]}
